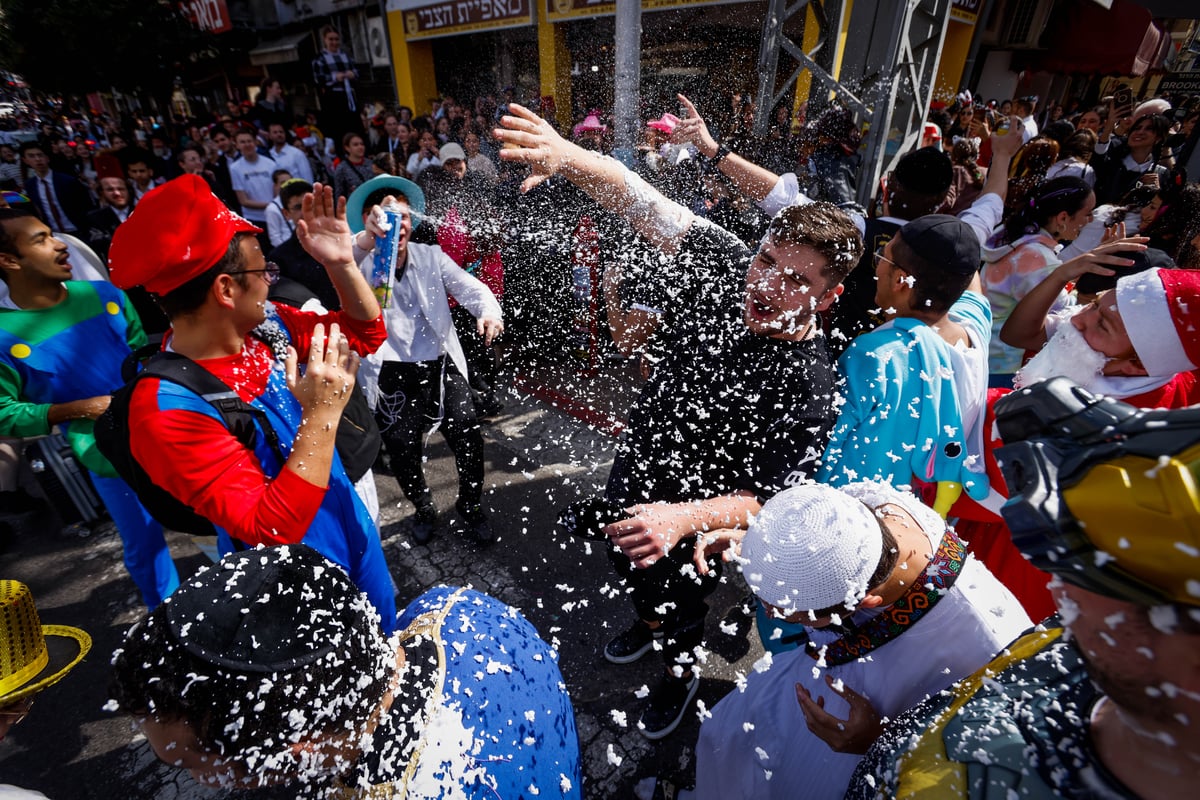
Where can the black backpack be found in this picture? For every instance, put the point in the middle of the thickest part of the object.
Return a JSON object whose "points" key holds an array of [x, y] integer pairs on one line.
{"points": [[113, 431], [358, 439]]}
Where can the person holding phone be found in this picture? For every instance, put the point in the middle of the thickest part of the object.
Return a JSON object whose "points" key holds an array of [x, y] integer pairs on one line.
{"points": [[1120, 166]]}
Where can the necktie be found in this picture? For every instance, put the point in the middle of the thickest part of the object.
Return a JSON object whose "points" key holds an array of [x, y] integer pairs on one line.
{"points": [[52, 203]]}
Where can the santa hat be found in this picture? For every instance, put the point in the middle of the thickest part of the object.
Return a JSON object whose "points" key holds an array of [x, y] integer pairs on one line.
{"points": [[177, 232], [1146, 302]]}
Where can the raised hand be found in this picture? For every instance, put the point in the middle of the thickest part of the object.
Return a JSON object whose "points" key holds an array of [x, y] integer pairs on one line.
{"points": [[1099, 259], [537, 144], [323, 230], [1009, 142], [693, 130], [324, 388]]}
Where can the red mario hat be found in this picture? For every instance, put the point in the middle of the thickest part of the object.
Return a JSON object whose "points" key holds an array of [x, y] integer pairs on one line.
{"points": [[1159, 308], [176, 232]]}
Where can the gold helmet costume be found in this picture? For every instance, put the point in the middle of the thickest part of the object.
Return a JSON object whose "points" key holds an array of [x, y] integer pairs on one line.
{"points": [[1103, 494]]}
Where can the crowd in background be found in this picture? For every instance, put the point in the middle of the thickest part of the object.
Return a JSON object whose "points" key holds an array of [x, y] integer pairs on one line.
{"points": [[1082, 180]]}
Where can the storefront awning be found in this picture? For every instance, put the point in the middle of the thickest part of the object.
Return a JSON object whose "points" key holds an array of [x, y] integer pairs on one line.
{"points": [[278, 51], [1087, 38]]}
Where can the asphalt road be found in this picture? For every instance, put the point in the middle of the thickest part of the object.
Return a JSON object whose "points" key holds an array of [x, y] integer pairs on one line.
{"points": [[538, 460]]}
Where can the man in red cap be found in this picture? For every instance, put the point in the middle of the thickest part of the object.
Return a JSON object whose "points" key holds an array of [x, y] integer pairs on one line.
{"points": [[205, 266]]}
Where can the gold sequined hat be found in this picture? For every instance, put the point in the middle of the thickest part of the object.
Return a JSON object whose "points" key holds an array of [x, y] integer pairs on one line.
{"points": [[32, 655]]}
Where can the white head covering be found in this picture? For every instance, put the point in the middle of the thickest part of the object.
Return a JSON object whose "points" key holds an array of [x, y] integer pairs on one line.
{"points": [[811, 547]]}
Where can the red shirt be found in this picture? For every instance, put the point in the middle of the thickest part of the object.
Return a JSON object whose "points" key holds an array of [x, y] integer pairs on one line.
{"points": [[189, 452]]}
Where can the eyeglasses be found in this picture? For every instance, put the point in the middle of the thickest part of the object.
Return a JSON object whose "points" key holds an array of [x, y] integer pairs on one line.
{"points": [[879, 256], [14, 713], [270, 273]]}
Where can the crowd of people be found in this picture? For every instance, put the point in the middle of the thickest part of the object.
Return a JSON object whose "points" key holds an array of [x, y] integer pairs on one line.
{"points": [[827, 391]]}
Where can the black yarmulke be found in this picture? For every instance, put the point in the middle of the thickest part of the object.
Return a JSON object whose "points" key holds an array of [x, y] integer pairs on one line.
{"points": [[925, 171], [266, 610], [945, 241]]}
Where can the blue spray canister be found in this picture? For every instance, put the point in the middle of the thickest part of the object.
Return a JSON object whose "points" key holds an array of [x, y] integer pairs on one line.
{"points": [[390, 218]]}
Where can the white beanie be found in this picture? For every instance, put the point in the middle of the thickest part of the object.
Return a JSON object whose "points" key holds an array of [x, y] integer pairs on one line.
{"points": [[811, 547]]}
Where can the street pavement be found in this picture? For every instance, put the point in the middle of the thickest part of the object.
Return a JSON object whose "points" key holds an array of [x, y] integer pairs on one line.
{"points": [[538, 460]]}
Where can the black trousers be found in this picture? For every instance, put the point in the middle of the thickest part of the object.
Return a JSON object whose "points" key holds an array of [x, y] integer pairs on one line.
{"points": [[482, 363], [671, 591], [413, 397]]}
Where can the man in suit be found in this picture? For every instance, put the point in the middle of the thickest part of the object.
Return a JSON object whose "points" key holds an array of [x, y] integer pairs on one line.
{"points": [[116, 204], [220, 167], [115, 208], [61, 200]]}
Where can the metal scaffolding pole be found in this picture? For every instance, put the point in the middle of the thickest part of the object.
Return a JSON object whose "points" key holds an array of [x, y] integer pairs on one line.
{"points": [[887, 70], [628, 47]]}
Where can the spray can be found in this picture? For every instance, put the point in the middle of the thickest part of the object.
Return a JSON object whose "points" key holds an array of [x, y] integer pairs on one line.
{"points": [[387, 249]]}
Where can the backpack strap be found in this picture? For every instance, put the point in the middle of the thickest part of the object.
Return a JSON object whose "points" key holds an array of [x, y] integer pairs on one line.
{"points": [[237, 414]]}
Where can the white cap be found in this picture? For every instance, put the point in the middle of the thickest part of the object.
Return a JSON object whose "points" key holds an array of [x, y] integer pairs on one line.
{"points": [[812, 547], [451, 151]]}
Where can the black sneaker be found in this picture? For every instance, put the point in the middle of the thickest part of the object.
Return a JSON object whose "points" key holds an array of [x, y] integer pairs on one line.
{"points": [[424, 521], [633, 643], [478, 527], [667, 704]]}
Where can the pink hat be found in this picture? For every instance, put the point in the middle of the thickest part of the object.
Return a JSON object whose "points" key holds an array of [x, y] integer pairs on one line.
{"points": [[590, 124], [666, 123], [1146, 301]]}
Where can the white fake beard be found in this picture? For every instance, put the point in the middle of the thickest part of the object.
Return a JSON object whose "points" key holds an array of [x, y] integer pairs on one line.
{"points": [[1067, 354]]}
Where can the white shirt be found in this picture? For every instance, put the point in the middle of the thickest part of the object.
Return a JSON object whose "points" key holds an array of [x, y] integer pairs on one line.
{"points": [[254, 178], [279, 228], [412, 326], [294, 161], [1074, 168], [757, 743], [1031, 129], [420, 300], [416, 164]]}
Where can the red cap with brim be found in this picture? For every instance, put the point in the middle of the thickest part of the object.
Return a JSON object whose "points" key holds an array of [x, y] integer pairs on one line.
{"points": [[175, 233]]}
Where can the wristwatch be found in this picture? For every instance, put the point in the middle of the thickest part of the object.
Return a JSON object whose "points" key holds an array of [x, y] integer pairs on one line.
{"points": [[722, 151]]}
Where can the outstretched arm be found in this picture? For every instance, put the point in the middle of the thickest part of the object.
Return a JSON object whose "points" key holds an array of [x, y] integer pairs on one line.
{"points": [[661, 221], [752, 180], [655, 528], [1026, 324]]}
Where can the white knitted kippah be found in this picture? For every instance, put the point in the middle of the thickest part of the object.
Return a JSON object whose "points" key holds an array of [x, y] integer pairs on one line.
{"points": [[811, 547]]}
